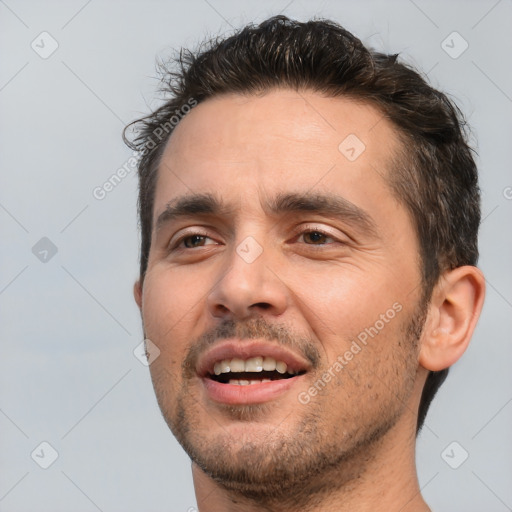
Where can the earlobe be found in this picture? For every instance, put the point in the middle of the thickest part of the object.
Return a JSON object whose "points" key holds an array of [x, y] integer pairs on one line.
{"points": [[456, 304], [137, 293]]}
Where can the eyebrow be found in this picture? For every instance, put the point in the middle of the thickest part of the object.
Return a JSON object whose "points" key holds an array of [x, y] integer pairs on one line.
{"points": [[324, 204], [321, 204], [190, 205]]}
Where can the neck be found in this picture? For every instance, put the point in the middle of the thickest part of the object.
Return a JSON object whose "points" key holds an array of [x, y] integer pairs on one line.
{"points": [[386, 480]]}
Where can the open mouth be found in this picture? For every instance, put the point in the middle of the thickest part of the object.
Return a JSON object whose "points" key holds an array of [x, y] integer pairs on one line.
{"points": [[255, 370], [242, 372]]}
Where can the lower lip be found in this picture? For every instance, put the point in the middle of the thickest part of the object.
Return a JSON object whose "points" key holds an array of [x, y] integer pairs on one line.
{"points": [[251, 394]]}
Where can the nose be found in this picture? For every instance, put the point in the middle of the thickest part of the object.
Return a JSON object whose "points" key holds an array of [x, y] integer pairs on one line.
{"points": [[248, 287]]}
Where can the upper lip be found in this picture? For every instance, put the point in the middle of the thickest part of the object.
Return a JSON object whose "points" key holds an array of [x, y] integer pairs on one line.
{"points": [[245, 349]]}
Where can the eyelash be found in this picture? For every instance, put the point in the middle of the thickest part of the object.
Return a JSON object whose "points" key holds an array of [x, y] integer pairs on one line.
{"points": [[313, 229], [177, 243], [302, 232]]}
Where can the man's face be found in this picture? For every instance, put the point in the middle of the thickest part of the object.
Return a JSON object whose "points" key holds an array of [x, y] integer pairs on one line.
{"points": [[283, 289]]}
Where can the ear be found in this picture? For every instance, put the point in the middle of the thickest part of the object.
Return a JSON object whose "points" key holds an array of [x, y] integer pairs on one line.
{"points": [[137, 293], [454, 309]]}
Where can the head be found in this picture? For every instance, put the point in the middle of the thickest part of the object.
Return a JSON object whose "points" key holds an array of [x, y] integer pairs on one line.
{"points": [[318, 196]]}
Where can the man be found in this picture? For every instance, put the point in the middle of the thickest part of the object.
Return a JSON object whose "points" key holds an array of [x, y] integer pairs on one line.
{"points": [[309, 213]]}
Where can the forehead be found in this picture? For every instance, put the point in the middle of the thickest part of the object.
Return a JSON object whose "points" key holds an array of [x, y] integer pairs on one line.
{"points": [[281, 140]]}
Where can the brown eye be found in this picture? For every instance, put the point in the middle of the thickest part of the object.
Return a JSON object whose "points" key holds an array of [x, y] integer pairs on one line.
{"points": [[315, 237], [194, 241]]}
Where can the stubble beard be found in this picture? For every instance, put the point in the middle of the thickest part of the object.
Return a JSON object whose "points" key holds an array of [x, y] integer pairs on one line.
{"points": [[301, 466]]}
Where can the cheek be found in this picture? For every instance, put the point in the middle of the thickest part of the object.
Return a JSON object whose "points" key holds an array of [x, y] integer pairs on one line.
{"points": [[164, 310], [350, 301], [166, 299], [168, 315], [360, 322], [374, 373]]}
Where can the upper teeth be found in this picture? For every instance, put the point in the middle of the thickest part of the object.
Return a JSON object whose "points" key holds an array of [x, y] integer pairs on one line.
{"points": [[254, 364]]}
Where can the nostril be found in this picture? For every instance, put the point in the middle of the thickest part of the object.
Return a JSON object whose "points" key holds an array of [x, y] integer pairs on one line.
{"points": [[261, 305]]}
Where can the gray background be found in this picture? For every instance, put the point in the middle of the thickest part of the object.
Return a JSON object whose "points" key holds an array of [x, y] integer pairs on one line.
{"points": [[68, 375]]}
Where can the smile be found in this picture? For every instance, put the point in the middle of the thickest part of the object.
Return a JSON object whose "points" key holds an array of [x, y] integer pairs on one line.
{"points": [[247, 372], [255, 370]]}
